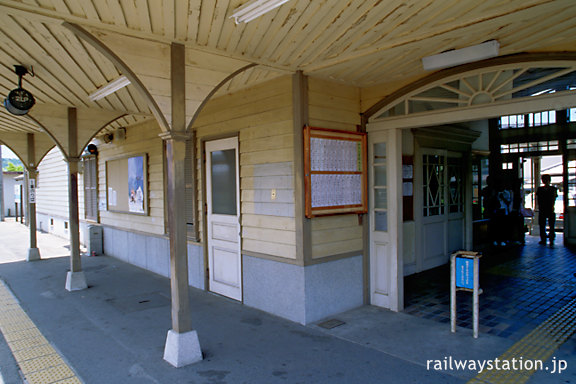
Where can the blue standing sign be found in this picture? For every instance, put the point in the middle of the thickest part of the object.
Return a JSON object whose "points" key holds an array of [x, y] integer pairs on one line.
{"points": [[464, 272]]}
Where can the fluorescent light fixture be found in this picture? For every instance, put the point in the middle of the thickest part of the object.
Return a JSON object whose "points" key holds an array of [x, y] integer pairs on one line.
{"points": [[462, 56], [109, 88], [255, 9]]}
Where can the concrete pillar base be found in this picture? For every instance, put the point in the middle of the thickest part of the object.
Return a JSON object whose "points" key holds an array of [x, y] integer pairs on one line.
{"points": [[33, 254], [76, 281], [182, 348]]}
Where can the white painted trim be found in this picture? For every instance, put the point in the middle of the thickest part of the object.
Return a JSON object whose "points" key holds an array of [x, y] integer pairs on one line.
{"points": [[558, 100]]}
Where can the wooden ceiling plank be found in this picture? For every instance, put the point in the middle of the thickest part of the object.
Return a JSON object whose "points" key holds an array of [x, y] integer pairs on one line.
{"points": [[90, 11], [270, 29], [333, 31], [21, 125], [60, 6], [85, 61], [168, 13], [438, 15], [130, 14], [305, 30], [365, 26], [193, 20], [180, 20], [104, 11], [447, 13], [531, 38], [156, 18], [287, 18], [142, 10], [205, 22], [221, 24], [394, 22], [75, 8], [70, 58]]}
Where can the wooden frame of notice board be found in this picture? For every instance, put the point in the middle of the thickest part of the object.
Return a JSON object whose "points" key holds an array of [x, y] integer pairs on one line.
{"points": [[335, 172]]}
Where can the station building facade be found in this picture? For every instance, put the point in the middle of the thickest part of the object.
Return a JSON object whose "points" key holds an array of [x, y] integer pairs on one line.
{"points": [[248, 236]]}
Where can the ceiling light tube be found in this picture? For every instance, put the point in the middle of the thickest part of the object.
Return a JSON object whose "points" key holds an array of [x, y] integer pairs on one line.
{"points": [[258, 8], [109, 88], [461, 56]]}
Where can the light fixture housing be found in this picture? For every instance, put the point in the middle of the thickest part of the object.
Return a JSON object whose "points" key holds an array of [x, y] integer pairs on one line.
{"points": [[250, 11], [19, 100], [456, 57], [109, 88]]}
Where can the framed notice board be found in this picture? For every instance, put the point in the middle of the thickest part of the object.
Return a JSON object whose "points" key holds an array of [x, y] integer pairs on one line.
{"points": [[335, 172], [127, 185]]}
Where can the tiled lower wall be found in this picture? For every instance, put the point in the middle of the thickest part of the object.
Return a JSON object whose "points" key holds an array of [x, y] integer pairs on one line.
{"points": [[152, 253], [303, 294]]}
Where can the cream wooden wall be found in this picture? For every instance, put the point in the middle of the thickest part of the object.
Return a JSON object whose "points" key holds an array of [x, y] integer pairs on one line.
{"points": [[334, 106], [141, 138], [262, 118], [52, 192]]}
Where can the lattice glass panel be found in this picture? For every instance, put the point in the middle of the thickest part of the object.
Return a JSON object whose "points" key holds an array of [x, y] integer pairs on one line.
{"points": [[433, 184], [380, 188], [455, 183]]}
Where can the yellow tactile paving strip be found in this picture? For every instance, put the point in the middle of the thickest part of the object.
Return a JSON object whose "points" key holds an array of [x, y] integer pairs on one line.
{"points": [[38, 360], [540, 344]]}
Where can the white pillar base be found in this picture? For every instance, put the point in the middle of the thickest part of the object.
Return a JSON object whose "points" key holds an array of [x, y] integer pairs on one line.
{"points": [[182, 348], [76, 281], [33, 254]]}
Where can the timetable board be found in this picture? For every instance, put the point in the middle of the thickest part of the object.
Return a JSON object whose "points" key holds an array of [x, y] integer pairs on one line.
{"points": [[335, 172]]}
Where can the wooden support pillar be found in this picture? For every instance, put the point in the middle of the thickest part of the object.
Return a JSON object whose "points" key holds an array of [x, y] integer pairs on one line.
{"points": [[33, 251], [301, 116], [75, 280], [182, 345]]}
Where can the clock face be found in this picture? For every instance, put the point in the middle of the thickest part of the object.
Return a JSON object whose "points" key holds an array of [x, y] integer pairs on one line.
{"points": [[21, 99]]}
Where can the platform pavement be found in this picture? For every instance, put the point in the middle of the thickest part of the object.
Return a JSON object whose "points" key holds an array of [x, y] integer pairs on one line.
{"points": [[114, 331]]}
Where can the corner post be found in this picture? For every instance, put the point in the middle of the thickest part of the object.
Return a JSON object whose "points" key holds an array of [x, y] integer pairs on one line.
{"points": [[182, 346], [75, 279], [301, 116]]}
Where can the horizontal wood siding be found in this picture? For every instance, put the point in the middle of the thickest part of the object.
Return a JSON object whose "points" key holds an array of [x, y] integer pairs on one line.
{"points": [[52, 192], [334, 106], [140, 139], [262, 117]]}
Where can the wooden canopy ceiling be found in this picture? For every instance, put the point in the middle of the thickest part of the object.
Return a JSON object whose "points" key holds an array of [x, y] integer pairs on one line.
{"points": [[356, 42]]}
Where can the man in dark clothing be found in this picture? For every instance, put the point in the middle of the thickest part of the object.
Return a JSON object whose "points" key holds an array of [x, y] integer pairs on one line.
{"points": [[546, 196]]}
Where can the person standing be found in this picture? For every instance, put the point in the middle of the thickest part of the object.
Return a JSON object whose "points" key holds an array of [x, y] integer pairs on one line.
{"points": [[546, 197]]}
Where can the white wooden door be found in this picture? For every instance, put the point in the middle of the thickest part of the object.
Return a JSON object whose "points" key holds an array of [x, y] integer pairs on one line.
{"points": [[386, 277], [442, 189], [223, 218]]}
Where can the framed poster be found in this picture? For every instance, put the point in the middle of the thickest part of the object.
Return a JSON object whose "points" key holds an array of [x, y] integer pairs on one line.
{"points": [[127, 185], [335, 172]]}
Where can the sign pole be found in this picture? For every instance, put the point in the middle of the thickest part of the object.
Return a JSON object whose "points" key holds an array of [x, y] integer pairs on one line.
{"points": [[475, 297]]}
